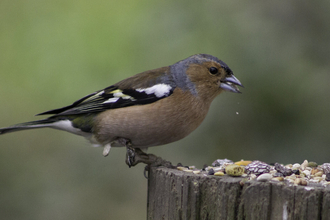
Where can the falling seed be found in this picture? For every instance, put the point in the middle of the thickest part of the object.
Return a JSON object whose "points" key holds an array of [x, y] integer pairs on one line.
{"points": [[237, 113]]}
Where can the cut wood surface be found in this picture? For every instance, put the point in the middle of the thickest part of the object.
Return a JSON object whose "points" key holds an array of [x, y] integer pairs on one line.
{"points": [[174, 194]]}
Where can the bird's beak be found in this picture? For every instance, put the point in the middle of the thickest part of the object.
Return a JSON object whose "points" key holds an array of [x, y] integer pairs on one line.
{"points": [[229, 84]]}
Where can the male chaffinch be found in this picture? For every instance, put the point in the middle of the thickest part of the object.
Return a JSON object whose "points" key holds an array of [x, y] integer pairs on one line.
{"points": [[151, 108]]}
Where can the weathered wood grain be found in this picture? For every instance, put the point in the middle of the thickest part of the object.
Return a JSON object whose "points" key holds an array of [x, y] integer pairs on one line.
{"points": [[174, 194]]}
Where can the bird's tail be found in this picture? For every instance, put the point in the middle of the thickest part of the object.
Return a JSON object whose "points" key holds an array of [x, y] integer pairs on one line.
{"points": [[29, 125]]}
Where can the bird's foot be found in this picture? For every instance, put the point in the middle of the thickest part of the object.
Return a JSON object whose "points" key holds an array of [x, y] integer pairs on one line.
{"points": [[130, 156], [136, 155]]}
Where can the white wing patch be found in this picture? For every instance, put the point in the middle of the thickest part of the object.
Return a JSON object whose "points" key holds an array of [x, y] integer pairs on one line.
{"points": [[116, 95], [120, 94], [159, 90], [111, 100]]}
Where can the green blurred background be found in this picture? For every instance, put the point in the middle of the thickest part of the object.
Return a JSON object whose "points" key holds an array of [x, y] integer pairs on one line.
{"points": [[54, 52]]}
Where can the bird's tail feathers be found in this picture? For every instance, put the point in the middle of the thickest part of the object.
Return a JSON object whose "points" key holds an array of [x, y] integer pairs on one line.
{"points": [[28, 125]]}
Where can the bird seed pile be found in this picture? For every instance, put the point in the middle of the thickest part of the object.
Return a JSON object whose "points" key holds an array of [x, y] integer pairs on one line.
{"points": [[305, 174]]}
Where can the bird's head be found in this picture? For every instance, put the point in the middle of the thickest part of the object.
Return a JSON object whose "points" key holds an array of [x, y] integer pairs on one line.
{"points": [[206, 75]]}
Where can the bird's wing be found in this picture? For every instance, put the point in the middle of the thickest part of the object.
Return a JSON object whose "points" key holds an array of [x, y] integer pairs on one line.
{"points": [[118, 96]]}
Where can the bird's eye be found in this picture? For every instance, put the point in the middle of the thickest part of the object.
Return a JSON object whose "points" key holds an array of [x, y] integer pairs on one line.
{"points": [[213, 70]]}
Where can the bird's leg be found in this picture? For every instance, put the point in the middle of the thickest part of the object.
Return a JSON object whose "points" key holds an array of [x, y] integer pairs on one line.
{"points": [[151, 160], [130, 155], [136, 155], [130, 151]]}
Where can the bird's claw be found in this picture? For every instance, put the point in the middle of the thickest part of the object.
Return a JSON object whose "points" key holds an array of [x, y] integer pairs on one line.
{"points": [[130, 156], [136, 155]]}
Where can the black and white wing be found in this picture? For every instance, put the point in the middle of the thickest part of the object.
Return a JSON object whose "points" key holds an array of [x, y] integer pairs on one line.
{"points": [[114, 97]]}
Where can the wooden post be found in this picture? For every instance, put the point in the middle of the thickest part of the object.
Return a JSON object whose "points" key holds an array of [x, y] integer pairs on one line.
{"points": [[174, 194]]}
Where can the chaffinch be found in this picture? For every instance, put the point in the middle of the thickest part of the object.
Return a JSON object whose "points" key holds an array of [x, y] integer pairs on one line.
{"points": [[151, 108]]}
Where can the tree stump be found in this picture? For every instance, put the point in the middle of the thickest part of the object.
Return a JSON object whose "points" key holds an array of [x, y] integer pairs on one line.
{"points": [[174, 194]]}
